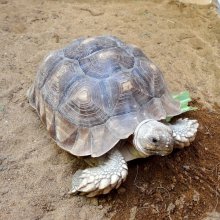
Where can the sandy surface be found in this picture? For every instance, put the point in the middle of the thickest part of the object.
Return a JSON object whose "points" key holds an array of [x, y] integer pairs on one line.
{"points": [[35, 174]]}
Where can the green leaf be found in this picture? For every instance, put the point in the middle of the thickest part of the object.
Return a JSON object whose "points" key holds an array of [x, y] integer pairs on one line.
{"points": [[184, 99]]}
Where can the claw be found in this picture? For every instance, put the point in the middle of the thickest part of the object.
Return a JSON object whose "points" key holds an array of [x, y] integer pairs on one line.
{"points": [[192, 139], [113, 185], [92, 194], [107, 190], [187, 143], [124, 174], [114, 179], [184, 139], [104, 183], [178, 137], [125, 166], [73, 192], [181, 145], [118, 184]]}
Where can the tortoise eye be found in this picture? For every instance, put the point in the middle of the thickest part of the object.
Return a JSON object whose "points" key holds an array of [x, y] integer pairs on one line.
{"points": [[154, 140]]}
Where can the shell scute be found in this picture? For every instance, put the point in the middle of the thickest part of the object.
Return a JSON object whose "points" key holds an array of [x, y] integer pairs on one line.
{"points": [[65, 74], [83, 142], [50, 121], [65, 131], [83, 105], [84, 47], [105, 63], [46, 68]]}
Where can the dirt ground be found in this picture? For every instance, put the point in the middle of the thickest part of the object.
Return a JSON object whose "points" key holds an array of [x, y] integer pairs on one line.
{"points": [[35, 175]]}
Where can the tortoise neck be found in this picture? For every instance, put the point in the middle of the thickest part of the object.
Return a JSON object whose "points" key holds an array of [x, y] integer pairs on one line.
{"points": [[130, 152]]}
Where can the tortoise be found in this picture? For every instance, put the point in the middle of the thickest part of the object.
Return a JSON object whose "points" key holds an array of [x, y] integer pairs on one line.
{"points": [[97, 91]]}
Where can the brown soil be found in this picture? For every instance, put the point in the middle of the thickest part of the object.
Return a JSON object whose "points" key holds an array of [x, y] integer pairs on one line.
{"points": [[35, 175]]}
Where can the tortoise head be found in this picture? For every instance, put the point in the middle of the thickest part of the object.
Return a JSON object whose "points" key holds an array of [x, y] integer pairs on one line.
{"points": [[153, 138]]}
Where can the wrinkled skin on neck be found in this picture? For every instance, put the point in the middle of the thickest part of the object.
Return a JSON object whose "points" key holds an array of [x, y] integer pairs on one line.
{"points": [[153, 138]]}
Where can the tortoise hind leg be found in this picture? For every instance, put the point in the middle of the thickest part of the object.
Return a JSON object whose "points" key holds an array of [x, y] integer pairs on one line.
{"points": [[107, 175], [184, 132]]}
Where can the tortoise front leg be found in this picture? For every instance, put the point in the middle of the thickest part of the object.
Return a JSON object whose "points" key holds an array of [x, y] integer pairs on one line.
{"points": [[184, 132], [110, 171]]}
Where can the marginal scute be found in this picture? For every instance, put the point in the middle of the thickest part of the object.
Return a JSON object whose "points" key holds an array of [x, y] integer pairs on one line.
{"points": [[42, 110], [137, 52], [83, 142], [37, 104], [70, 50], [122, 126], [50, 121], [64, 129], [95, 92], [103, 140], [98, 134], [171, 106]]}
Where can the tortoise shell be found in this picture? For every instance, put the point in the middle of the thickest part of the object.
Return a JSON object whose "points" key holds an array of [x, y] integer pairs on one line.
{"points": [[95, 92]]}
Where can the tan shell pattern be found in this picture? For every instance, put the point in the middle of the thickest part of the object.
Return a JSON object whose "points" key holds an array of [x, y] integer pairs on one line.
{"points": [[96, 91]]}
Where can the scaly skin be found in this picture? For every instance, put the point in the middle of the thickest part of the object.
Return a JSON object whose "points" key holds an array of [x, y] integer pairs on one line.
{"points": [[103, 178]]}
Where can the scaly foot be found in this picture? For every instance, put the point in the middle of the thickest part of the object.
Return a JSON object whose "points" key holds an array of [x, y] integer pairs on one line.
{"points": [[184, 132], [102, 178]]}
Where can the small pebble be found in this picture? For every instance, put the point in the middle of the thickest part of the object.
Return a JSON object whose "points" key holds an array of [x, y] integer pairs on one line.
{"points": [[170, 207], [186, 167], [100, 207]]}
